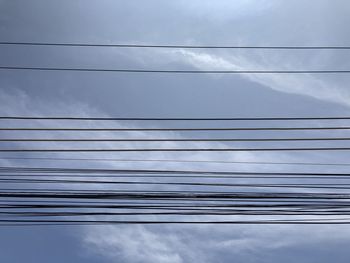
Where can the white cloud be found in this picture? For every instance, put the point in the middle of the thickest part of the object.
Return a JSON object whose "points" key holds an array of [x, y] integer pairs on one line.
{"points": [[178, 244], [187, 244], [134, 244], [303, 84]]}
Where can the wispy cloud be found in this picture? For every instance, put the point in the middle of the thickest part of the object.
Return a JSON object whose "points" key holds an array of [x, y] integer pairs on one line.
{"points": [[302, 84]]}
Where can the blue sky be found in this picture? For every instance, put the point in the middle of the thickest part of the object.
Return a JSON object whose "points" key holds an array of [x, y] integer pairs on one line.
{"points": [[202, 22]]}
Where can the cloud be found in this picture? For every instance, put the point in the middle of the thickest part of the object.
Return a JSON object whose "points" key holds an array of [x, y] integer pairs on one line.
{"points": [[199, 22], [302, 84], [134, 244], [187, 244], [179, 244]]}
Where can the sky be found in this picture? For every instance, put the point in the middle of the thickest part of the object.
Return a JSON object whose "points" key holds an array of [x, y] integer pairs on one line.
{"points": [[191, 22]]}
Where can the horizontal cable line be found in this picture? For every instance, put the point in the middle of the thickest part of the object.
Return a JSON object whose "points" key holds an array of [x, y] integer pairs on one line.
{"points": [[198, 206], [334, 206], [333, 177], [145, 194], [150, 205], [180, 211], [117, 203], [197, 197], [187, 195], [181, 150], [168, 213], [221, 202], [202, 212], [100, 193], [39, 195], [330, 206], [167, 195], [168, 160], [292, 186], [205, 209], [66, 44], [177, 71], [181, 129], [151, 171], [194, 196], [122, 204], [193, 200], [81, 215], [244, 203], [254, 207], [173, 119], [174, 140], [184, 211], [20, 224], [216, 206], [30, 222]]}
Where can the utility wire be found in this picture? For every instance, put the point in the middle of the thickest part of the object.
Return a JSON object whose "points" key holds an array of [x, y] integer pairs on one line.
{"points": [[172, 139], [66, 44], [66, 181], [330, 177], [165, 195], [18, 223], [173, 119], [181, 129], [176, 71], [311, 201], [179, 149], [154, 171], [170, 160]]}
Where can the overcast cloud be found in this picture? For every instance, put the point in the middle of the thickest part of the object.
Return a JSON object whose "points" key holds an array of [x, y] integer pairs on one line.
{"points": [[202, 22]]}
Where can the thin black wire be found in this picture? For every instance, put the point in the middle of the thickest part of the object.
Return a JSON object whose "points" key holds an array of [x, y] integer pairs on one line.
{"points": [[168, 46], [254, 199], [172, 140], [202, 212], [196, 195], [328, 209], [203, 205], [180, 129], [28, 222], [19, 224], [285, 209], [170, 160], [334, 208], [165, 195], [174, 119], [181, 149], [152, 171], [300, 176], [291, 186], [177, 71], [113, 203]]}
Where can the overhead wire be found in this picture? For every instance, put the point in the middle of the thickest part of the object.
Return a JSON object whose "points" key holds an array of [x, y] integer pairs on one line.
{"points": [[176, 149], [171, 161], [134, 45], [249, 203], [171, 139], [121, 70], [72, 118], [176, 129]]}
